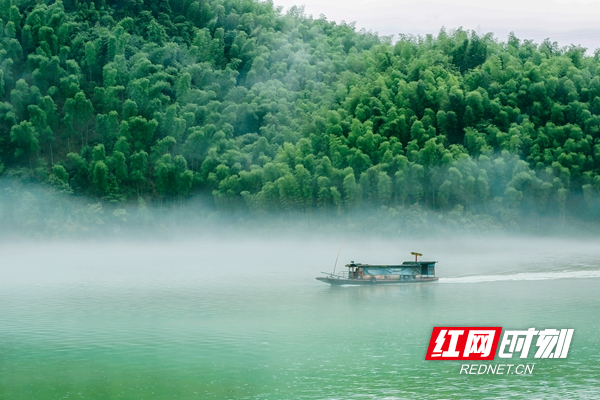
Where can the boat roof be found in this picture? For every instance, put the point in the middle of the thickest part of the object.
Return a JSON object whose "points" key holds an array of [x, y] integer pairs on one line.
{"points": [[404, 264]]}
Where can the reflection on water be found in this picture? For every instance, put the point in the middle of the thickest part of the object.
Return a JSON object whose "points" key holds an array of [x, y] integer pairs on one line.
{"points": [[247, 319]]}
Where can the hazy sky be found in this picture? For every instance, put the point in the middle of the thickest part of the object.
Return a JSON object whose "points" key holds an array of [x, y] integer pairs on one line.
{"points": [[563, 21]]}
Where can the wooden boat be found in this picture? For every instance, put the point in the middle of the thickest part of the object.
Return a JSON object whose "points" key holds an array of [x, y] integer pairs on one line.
{"points": [[367, 274]]}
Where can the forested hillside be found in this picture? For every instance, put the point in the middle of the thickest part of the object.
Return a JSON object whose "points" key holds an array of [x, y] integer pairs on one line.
{"points": [[160, 100]]}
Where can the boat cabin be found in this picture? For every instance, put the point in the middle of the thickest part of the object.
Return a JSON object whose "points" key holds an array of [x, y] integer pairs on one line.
{"points": [[408, 270]]}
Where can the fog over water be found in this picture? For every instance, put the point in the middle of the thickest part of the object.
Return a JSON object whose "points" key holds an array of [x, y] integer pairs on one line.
{"points": [[232, 316], [263, 253]]}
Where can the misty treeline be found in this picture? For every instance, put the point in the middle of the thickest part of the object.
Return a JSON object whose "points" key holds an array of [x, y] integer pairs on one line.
{"points": [[135, 102]]}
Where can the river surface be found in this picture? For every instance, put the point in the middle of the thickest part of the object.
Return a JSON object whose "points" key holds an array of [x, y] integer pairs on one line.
{"points": [[245, 318]]}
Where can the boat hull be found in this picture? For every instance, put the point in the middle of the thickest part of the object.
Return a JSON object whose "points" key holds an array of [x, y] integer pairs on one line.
{"points": [[341, 281]]}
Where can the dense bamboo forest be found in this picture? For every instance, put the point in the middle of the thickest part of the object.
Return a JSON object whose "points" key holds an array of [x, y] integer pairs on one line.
{"points": [[158, 101]]}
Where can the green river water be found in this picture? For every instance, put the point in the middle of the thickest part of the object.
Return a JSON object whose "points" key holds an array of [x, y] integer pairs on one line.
{"points": [[245, 319]]}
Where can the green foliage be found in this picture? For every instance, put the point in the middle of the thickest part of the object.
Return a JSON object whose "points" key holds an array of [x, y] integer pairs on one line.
{"points": [[25, 138], [161, 100]]}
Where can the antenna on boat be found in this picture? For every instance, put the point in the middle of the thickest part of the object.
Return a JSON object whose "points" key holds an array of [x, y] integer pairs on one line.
{"points": [[338, 256], [417, 255]]}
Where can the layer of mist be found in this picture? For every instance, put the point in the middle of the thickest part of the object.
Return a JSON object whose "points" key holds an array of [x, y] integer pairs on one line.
{"points": [[34, 211], [462, 259]]}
